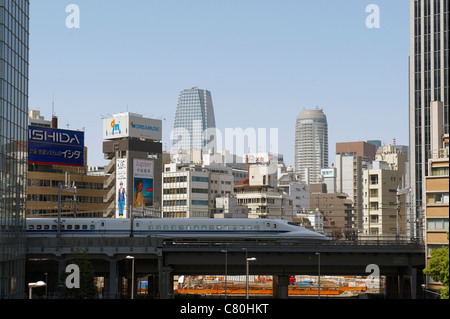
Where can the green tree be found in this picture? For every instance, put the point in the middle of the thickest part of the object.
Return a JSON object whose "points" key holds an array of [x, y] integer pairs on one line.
{"points": [[88, 289], [438, 268]]}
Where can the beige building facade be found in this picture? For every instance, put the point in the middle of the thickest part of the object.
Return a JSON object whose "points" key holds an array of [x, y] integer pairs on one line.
{"points": [[385, 207], [437, 202]]}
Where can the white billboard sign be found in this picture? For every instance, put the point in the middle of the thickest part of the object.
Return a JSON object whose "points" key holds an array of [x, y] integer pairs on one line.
{"points": [[131, 125], [328, 172]]}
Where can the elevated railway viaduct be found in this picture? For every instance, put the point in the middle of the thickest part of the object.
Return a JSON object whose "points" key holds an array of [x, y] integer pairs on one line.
{"points": [[400, 262]]}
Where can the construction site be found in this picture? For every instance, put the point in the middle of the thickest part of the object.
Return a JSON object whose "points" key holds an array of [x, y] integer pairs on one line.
{"points": [[236, 286]]}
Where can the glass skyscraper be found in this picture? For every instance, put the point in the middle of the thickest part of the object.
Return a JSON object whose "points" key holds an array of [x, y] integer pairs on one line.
{"points": [[14, 39], [195, 125], [311, 144], [428, 78]]}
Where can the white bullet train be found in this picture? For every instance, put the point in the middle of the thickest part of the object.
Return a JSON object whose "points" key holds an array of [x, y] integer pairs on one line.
{"points": [[198, 228]]}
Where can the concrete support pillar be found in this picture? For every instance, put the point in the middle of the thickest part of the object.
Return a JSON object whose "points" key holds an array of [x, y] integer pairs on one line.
{"points": [[413, 273], [280, 286], [165, 283], [61, 269], [165, 279], [112, 281], [392, 287]]}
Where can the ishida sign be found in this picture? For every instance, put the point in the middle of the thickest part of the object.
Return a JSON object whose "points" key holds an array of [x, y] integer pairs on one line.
{"points": [[55, 146]]}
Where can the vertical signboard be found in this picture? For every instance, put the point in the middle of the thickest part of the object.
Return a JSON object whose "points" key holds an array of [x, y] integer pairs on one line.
{"points": [[121, 188], [142, 183]]}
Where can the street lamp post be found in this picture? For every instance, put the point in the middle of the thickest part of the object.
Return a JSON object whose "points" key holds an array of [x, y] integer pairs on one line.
{"points": [[226, 270], [32, 285], [246, 288], [318, 254], [132, 275], [46, 280]]}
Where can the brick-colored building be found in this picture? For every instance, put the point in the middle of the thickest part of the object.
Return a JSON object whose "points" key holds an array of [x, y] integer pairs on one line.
{"points": [[357, 148], [337, 210]]}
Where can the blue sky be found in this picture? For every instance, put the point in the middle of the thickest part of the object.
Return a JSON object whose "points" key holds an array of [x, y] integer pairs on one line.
{"points": [[263, 61]]}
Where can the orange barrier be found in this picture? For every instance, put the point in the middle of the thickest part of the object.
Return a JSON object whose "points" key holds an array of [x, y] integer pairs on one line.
{"points": [[268, 291]]}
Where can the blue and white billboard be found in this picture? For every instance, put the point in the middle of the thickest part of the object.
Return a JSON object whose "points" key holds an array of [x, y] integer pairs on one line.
{"points": [[55, 146]]}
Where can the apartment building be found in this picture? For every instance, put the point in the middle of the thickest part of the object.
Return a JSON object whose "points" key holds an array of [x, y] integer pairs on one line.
{"points": [[190, 191], [384, 209], [336, 210], [260, 193], [437, 203]]}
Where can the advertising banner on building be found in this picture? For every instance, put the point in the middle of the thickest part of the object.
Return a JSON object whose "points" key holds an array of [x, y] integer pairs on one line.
{"points": [[55, 146], [262, 157], [121, 188], [142, 183], [131, 125]]}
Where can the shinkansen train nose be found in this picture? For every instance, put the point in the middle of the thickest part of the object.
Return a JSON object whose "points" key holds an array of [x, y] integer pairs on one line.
{"points": [[306, 235]]}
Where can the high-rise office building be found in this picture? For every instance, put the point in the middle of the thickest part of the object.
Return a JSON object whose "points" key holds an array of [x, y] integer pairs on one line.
{"points": [[14, 40], [311, 144], [428, 78], [195, 124]]}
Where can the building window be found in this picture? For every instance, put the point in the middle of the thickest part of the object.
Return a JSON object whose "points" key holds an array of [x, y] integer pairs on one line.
{"points": [[374, 179], [440, 224], [439, 171], [199, 202], [437, 198]]}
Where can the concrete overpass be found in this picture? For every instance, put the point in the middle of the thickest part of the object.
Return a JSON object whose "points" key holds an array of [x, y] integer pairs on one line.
{"points": [[401, 262]]}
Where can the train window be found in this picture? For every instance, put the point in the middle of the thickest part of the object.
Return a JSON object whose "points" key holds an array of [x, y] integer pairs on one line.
{"points": [[77, 226], [30, 227], [234, 227], [158, 227], [267, 224], [150, 227], [227, 227], [257, 227], [274, 225], [166, 227], [46, 227], [189, 227], [53, 227], [84, 227], [92, 227], [203, 227], [103, 224], [211, 227], [137, 224], [219, 227], [39, 227], [196, 227], [174, 227], [241, 227], [249, 227], [69, 226], [181, 227]]}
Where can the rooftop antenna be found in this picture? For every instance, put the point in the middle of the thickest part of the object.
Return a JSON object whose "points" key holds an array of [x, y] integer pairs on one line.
{"points": [[53, 103]]}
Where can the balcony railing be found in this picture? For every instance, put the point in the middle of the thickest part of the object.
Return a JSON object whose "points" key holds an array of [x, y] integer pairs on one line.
{"points": [[439, 153]]}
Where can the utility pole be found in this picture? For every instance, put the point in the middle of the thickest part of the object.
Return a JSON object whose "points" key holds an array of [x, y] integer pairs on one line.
{"points": [[408, 201], [67, 187]]}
